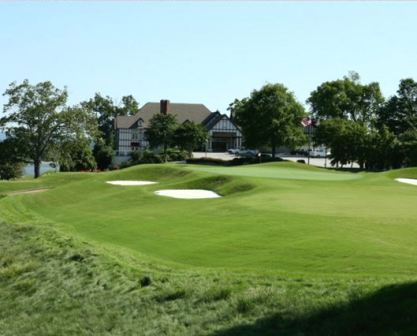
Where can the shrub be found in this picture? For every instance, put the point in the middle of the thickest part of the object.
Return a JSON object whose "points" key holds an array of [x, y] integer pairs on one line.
{"points": [[233, 162], [150, 157], [103, 155], [176, 154], [10, 170]]}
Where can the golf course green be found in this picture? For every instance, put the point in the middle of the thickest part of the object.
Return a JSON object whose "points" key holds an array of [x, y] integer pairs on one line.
{"points": [[283, 238]]}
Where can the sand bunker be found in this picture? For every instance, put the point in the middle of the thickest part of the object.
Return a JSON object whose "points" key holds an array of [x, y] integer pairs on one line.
{"points": [[407, 180], [187, 193], [130, 183]]}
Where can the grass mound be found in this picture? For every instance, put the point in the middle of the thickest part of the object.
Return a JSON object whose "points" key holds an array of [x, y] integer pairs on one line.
{"points": [[149, 172], [221, 184], [404, 173]]}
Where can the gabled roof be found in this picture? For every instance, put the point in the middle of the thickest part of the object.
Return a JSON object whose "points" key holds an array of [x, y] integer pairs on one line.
{"points": [[214, 118], [191, 112]]}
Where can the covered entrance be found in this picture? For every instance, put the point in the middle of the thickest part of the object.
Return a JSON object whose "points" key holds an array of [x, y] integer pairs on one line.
{"points": [[222, 141]]}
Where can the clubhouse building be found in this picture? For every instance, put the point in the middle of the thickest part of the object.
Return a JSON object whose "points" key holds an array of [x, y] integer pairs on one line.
{"points": [[223, 134]]}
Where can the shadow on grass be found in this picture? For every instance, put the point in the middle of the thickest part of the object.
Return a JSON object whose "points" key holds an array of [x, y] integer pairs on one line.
{"points": [[391, 310]]}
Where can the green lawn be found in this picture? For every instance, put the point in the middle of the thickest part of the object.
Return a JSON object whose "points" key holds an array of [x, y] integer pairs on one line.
{"points": [[336, 233], [281, 217]]}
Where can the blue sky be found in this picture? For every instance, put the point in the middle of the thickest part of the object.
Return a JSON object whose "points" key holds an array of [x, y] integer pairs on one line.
{"points": [[202, 52]]}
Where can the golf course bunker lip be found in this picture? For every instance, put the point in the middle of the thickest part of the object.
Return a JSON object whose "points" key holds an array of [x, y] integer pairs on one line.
{"points": [[130, 183], [187, 193], [407, 180]]}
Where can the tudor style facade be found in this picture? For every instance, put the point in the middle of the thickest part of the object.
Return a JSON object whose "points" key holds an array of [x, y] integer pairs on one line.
{"points": [[131, 130]]}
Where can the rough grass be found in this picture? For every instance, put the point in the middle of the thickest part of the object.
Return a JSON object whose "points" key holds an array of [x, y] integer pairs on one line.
{"points": [[53, 284]]}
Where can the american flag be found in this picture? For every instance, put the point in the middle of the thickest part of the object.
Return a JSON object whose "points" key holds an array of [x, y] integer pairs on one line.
{"points": [[306, 122]]}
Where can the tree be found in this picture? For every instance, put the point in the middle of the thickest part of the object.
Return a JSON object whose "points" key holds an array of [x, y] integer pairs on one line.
{"points": [[106, 110], [38, 120], [190, 136], [346, 139], [161, 131], [384, 150], [10, 164], [270, 116], [76, 155], [346, 98], [103, 154], [408, 144], [399, 113]]}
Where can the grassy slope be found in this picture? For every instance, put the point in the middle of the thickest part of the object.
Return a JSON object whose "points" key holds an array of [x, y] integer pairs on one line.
{"points": [[294, 244], [362, 226], [54, 284]]}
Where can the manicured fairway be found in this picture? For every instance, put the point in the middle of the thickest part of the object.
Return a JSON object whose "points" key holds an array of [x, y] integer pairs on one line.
{"points": [[282, 218]]}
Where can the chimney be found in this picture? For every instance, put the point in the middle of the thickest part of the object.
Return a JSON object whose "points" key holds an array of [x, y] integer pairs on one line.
{"points": [[164, 106]]}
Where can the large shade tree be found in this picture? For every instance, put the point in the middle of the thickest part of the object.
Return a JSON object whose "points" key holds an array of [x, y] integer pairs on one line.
{"points": [[346, 98], [271, 117], [348, 112], [38, 120]]}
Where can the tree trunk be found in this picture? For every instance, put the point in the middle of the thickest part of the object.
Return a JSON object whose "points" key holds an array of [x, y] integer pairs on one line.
{"points": [[274, 149], [37, 168], [165, 152]]}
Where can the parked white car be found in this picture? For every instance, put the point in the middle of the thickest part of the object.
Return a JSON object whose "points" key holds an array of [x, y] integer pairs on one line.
{"points": [[319, 153]]}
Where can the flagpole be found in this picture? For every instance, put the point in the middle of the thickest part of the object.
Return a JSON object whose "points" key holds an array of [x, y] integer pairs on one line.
{"points": [[307, 122]]}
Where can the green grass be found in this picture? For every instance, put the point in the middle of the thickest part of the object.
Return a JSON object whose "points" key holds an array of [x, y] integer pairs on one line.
{"points": [[288, 247]]}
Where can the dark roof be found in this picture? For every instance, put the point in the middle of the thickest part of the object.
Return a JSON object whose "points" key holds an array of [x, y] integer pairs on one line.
{"points": [[191, 112], [212, 120]]}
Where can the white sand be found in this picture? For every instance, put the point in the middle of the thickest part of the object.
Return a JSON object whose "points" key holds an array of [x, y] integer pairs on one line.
{"points": [[187, 193], [407, 180], [130, 183]]}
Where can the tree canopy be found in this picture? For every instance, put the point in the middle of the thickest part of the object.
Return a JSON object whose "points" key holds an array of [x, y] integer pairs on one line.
{"points": [[271, 116], [106, 110], [399, 114], [38, 120], [346, 98]]}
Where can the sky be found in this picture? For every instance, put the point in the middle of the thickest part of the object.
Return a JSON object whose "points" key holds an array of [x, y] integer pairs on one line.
{"points": [[204, 52]]}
